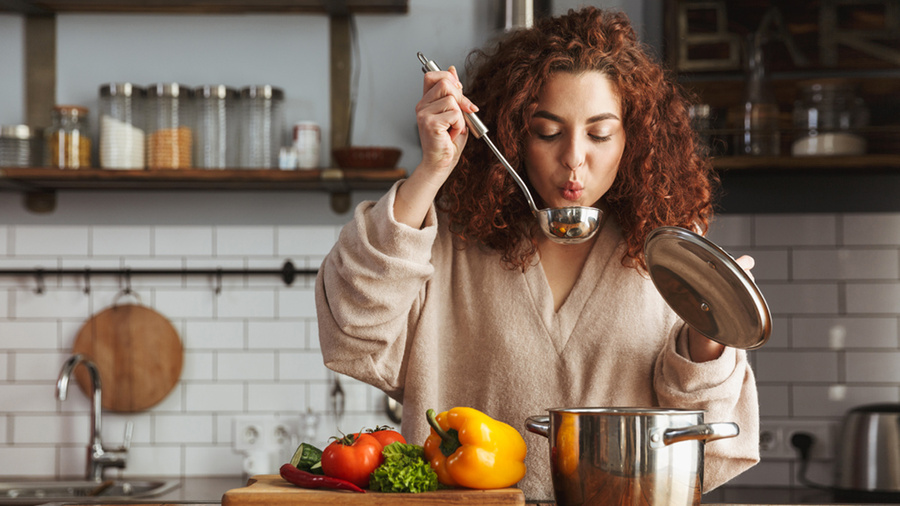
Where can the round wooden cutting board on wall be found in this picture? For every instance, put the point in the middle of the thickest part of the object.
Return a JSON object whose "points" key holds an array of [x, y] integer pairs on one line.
{"points": [[138, 353]]}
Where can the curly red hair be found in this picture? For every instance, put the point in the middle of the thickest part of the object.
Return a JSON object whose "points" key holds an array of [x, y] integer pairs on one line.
{"points": [[664, 176]]}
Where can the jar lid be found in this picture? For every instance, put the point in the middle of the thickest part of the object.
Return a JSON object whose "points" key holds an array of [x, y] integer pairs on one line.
{"points": [[262, 91], [707, 288], [71, 110], [173, 90], [121, 90], [215, 91], [16, 132]]}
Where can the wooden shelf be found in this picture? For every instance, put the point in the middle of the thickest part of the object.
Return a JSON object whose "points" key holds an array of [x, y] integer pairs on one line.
{"points": [[821, 184], [38, 7], [40, 184], [890, 163]]}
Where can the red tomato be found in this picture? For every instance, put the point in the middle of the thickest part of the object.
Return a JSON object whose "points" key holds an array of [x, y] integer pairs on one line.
{"points": [[385, 436], [352, 458]]}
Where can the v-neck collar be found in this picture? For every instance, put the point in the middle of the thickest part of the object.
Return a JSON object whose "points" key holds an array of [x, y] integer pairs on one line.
{"points": [[560, 324]]}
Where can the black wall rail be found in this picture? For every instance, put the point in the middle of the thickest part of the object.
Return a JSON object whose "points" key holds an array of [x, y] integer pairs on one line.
{"points": [[288, 273]]}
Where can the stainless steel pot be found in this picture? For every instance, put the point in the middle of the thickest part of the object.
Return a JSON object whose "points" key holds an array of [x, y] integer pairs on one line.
{"points": [[868, 453], [627, 456]]}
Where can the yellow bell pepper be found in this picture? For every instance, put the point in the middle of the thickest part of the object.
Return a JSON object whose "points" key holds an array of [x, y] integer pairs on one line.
{"points": [[470, 449]]}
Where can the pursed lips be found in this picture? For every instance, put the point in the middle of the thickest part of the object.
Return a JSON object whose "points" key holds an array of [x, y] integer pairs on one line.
{"points": [[572, 190]]}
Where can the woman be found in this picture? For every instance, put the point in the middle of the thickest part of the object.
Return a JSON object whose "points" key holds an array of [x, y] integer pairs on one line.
{"points": [[445, 293]]}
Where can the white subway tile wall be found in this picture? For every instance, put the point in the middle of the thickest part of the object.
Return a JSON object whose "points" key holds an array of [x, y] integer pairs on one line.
{"points": [[251, 350], [832, 282]]}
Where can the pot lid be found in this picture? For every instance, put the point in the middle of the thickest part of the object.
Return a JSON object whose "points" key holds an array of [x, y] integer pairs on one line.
{"points": [[706, 287]]}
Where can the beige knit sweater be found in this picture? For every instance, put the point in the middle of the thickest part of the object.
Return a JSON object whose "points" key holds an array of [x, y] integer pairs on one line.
{"points": [[436, 326]]}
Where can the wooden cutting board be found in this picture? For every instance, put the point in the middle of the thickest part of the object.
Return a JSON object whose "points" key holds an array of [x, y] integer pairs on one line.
{"points": [[138, 353], [273, 490]]}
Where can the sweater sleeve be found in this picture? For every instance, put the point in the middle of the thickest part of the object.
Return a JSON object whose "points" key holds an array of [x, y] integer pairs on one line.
{"points": [[726, 389], [368, 291]]}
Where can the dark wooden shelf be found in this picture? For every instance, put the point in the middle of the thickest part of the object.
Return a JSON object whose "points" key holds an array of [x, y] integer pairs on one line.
{"points": [[38, 7], [40, 184], [49, 179], [807, 164], [819, 184]]}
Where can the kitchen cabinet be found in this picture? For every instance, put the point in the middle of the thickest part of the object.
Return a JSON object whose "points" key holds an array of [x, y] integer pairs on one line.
{"points": [[41, 184], [806, 40]]}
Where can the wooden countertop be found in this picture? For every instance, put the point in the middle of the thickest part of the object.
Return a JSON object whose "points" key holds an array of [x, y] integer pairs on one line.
{"points": [[197, 491], [204, 503]]}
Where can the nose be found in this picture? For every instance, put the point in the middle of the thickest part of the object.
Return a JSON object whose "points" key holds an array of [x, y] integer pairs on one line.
{"points": [[573, 153]]}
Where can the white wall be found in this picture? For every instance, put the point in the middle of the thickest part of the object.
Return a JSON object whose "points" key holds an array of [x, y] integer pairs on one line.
{"points": [[12, 62]]}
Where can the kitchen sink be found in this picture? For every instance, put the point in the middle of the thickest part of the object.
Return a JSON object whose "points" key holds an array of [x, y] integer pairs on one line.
{"points": [[80, 491]]}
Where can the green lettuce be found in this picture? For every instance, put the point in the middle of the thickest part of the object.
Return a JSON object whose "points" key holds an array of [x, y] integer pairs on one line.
{"points": [[404, 470]]}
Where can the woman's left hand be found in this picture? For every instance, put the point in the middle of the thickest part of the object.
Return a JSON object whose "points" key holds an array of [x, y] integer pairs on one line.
{"points": [[702, 348]]}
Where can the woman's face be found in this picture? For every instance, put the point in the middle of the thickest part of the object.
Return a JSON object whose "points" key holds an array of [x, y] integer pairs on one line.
{"points": [[576, 139]]}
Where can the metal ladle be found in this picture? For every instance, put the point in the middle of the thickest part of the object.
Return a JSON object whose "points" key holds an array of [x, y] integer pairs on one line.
{"points": [[565, 225]]}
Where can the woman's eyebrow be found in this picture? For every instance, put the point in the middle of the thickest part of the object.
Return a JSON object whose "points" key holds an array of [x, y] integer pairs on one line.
{"points": [[593, 119]]}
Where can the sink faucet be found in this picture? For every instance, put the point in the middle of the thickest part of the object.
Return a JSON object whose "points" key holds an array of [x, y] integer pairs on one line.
{"points": [[98, 457]]}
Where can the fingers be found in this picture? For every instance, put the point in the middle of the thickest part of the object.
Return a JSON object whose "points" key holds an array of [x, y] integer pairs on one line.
{"points": [[747, 263], [439, 84], [450, 76], [440, 112], [441, 116]]}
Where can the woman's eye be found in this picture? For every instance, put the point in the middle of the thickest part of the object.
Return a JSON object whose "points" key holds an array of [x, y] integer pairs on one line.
{"points": [[547, 136], [601, 138]]}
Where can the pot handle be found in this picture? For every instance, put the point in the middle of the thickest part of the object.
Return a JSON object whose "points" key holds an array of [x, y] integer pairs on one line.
{"points": [[704, 432], [539, 425]]}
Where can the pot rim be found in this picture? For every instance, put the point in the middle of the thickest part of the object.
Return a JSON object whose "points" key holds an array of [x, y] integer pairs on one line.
{"points": [[627, 411]]}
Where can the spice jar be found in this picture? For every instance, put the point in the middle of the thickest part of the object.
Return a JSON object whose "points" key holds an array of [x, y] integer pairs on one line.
{"points": [[307, 141], [68, 141], [828, 118], [262, 125], [122, 140], [169, 133], [19, 146], [216, 127]]}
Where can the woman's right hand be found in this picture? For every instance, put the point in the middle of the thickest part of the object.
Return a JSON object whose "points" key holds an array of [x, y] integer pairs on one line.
{"points": [[442, 133], [442, 126]]}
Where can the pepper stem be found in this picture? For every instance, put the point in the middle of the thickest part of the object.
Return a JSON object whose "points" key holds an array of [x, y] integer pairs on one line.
{"points": [[449, 438]]}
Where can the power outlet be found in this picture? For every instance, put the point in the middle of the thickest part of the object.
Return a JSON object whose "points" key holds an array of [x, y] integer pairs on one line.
{"points": [[249, 433], [263, 433], [282, 433], [775, 439]]}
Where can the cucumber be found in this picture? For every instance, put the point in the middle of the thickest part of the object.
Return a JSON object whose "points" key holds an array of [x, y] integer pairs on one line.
{"points": [[308, 458]]}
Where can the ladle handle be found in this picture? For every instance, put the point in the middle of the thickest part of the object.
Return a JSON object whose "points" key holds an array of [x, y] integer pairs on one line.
{"points": [[479, 130]]}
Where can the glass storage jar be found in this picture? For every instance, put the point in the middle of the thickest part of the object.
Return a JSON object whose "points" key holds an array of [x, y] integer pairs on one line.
{"points": [[758, 129], [215, 132], [262, 126], [19, 146], [122, 140], [68, 141], [828, 119], [169, 130]]}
